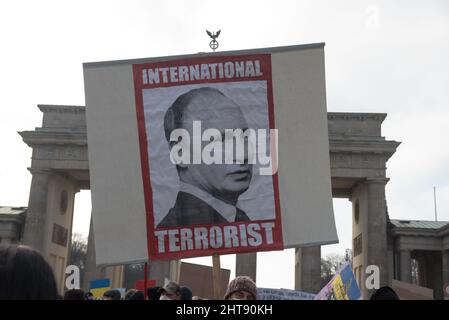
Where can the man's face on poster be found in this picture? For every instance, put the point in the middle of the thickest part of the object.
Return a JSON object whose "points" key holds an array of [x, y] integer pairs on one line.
{"points": [[224, 181]]}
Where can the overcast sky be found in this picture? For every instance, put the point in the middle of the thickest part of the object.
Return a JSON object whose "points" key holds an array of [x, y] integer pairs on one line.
{"points": [[381, 56]]}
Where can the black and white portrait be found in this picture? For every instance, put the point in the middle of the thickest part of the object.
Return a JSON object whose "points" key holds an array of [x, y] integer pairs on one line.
{"points": [[199, 193]]}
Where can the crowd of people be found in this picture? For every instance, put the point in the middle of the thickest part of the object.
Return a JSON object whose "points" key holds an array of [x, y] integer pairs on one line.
{"points": [[241, 288], [25, 275]]}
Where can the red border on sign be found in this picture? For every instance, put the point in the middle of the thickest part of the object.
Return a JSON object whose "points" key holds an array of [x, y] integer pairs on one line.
{"points": [[265, 63]]}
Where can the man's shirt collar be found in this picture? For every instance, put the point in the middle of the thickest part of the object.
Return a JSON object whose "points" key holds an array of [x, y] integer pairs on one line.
{"points": [[227, 210]]}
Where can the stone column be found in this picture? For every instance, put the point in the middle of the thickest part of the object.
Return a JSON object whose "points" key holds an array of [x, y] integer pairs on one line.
{"points": [[159, 270], [377, 228], [445, 264], [91, 271], [34, 234], [116, 274], [308, 269], [246, 265], [436, 274], [405, 265]]}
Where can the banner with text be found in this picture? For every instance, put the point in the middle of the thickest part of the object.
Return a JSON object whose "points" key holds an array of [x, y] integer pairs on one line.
{"points": [[283, 294], [209, 177]]}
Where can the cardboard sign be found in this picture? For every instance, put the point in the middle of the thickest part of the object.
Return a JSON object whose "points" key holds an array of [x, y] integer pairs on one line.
{"points": [[209, 154]]}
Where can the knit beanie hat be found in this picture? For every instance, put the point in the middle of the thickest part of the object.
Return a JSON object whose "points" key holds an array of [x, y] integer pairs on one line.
{"points": [[241, 283]]}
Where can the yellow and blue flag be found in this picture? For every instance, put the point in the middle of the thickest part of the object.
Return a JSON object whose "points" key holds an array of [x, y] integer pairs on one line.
{"points": [[99, 286]]}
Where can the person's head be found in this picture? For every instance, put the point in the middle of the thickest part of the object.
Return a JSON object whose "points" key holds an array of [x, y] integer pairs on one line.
{"points": [[186, 293], [130, 293], [384, 293], [171, 291], [74, 294], [25, 275], [113, 294], [215, 111], [134, 294], [89, 296], [241, 288], [154, 293]]}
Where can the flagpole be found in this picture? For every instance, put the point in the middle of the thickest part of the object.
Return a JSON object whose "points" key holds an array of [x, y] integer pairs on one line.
{"points": [[145, 281], [435, 202]]}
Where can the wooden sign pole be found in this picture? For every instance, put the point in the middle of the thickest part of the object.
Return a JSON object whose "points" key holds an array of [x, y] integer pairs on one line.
{"points": [[216, 275], [145, 281]]}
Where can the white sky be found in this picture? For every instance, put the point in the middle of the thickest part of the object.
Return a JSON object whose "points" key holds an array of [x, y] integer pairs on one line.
{"points": [[381, 56]]}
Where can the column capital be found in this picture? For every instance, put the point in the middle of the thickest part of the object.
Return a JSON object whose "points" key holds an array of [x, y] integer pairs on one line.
{"points": [[40, 171]]}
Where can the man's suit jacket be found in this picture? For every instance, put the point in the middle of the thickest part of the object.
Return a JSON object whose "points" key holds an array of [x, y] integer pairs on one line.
{"points": [[189, 210]]}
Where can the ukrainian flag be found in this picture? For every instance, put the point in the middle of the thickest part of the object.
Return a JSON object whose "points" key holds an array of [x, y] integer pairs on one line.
{"points": [[99, 287], [345, 286]]}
